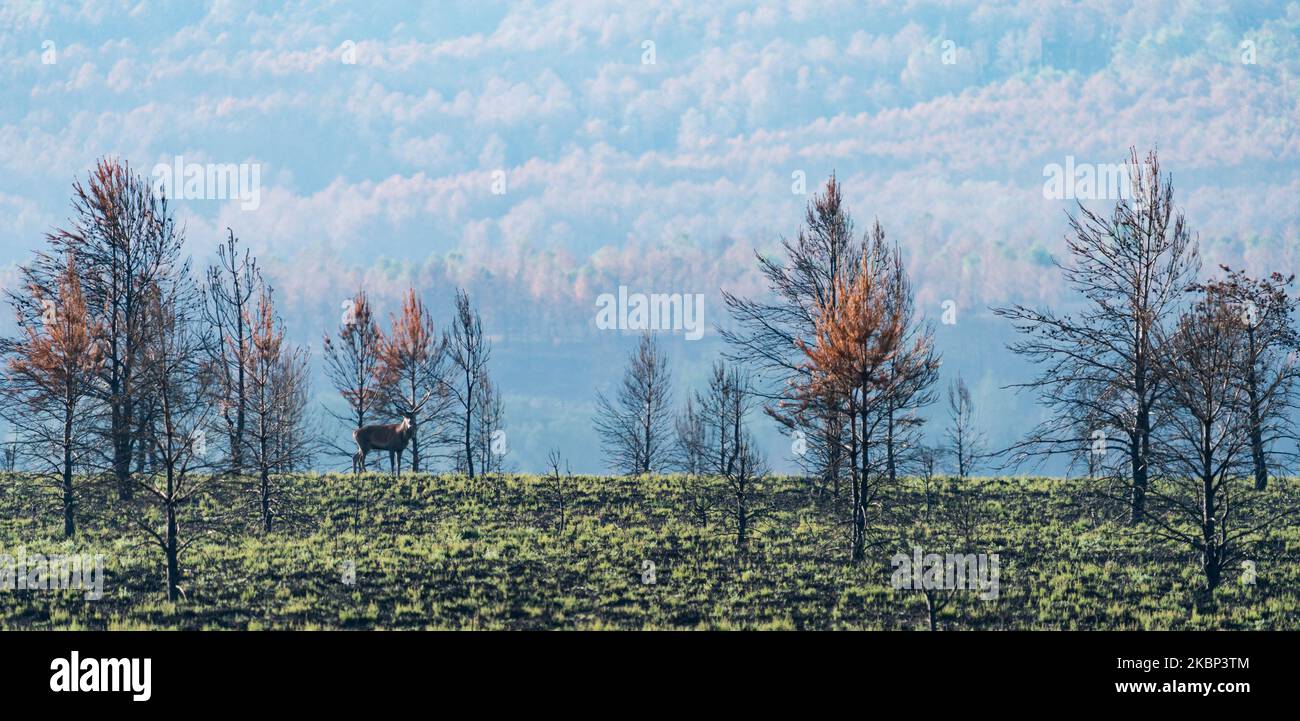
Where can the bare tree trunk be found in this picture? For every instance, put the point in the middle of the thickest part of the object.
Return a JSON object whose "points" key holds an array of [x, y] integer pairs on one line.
{"points": [[415, 447], [68, 524], [172, 550], [1140, 444], [237, 448], [1211, 558], [1138, 459], [742, 514], [1257, 451], [469, 446], [266, 500], [858, 520], [835, 452], [122, 446], [1256, 431], [890, 466], [860, 492]]}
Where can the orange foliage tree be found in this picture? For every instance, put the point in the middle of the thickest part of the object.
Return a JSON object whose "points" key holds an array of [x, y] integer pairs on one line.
{"points": [[50, 383], [279, 434], [412, 369], [859, 351]]}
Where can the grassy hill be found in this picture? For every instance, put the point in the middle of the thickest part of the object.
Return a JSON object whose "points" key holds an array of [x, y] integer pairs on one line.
{"points": [[432, 551]]}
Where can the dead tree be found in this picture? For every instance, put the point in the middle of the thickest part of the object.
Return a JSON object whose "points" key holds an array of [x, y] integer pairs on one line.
{"points": [[821, 258], [690, 460], [167, 509], [561, 488], [352, 363], [279, 431], [489, 427], [1130, 269], [966, 444], [714, 442], [1266, 314], [229, 293], [723, 405], [690, 431], [634, 427], [911, 379], [48, 390], [734, 455], [747, 472], [1202, 496], [414, 370], [125, 242], [469, 351]]}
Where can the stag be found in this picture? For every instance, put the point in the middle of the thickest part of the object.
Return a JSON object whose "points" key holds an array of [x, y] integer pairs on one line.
{"points": [[391, 437]]}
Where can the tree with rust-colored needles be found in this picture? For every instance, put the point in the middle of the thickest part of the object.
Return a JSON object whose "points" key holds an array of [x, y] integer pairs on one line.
{"points": [[49, 386], [413, 371], [858, 352], [280, 435], [125, 242], [823, 255]]}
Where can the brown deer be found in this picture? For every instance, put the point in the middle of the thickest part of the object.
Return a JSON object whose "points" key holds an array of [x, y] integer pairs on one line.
{"points": [[391, 437]]}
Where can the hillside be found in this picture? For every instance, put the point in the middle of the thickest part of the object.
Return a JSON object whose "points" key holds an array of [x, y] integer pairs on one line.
{"points": [[448, 552]]}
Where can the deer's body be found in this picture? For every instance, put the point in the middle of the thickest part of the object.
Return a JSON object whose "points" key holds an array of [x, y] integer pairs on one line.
{"points": [[391, 437]]}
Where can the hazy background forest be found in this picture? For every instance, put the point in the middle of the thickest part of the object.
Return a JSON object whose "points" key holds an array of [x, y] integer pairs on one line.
{"points": [[651, 148]]}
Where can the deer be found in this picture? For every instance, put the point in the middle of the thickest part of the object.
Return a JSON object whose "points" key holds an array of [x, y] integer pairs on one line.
{"points": [[391, 437]]}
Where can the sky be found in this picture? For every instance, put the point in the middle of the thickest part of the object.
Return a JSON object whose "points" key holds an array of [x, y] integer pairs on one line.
{"points": [[541, 155]]}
